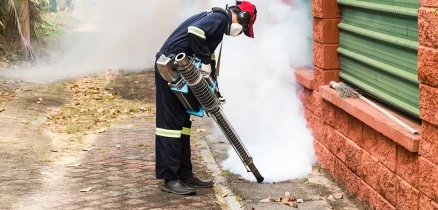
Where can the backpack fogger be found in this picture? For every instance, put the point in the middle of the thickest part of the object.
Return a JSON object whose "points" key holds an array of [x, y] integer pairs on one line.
{"points": [[199, 93]]}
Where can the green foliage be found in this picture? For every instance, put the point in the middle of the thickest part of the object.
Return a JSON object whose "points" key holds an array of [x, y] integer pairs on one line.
{"points": [[37, 9], [3, 15]]}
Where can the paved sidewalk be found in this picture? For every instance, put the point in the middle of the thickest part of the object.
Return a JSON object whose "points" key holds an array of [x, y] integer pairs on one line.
{"points": [[119, 174], [316, 191], [114, 169], [25, 151]]}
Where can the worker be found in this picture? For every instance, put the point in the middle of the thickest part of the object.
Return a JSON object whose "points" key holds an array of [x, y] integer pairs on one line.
{"points": [[199, 35]]}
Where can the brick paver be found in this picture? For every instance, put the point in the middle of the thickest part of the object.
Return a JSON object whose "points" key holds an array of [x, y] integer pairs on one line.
{"points": [[120, 170]]}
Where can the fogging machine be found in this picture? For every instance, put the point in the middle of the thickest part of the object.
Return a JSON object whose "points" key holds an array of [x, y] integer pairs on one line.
{"points": [[199, 93]]}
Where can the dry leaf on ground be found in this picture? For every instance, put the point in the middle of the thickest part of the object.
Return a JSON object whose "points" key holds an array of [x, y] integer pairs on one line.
{"points": [[331, 198], [74, 165], [267, 200], [338, 195], [101, 130], [287, 200], [86, 189]]}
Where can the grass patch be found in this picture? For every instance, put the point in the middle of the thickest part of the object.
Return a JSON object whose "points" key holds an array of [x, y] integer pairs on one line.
{"points": [[225, 173], [30, 119], [57, 87], [239, 199]]}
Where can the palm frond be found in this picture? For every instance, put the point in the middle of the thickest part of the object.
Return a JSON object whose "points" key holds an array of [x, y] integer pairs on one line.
{"points": [[36, 19]]}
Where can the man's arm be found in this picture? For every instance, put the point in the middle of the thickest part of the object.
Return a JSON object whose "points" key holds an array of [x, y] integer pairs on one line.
{"points": [[198, 43]]}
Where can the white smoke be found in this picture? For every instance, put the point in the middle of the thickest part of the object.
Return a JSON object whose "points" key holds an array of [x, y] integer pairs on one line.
{"points": [[112, 34], [262, 96], [256, 74]]}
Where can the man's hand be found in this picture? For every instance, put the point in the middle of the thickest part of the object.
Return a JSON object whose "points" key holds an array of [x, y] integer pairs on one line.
{"points": [[205, 69]]}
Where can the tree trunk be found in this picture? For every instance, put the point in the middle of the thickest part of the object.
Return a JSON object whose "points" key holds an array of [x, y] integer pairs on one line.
{"points": [[25, 25]]}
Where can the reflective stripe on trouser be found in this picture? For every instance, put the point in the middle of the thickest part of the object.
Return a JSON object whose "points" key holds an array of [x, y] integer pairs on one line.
{"points": [[168, 133], [186, 131], [172, 149], [173, 133]]}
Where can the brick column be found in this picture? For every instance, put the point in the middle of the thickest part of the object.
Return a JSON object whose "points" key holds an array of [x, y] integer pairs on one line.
{"points": [[428, 76], [326, 17]]}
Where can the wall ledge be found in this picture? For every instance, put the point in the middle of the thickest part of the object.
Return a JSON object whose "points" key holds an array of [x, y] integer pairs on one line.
{"points": [[305, 77], [373, 118]]}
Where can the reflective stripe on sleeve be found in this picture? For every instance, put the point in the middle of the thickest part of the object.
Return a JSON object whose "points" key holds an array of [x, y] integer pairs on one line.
{"points": [[197, 31], [213, 57], [186, 131], [168, 133]]}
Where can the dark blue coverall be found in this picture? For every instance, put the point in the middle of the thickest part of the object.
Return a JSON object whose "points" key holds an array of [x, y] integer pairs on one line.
{"points": [[199, 35]]}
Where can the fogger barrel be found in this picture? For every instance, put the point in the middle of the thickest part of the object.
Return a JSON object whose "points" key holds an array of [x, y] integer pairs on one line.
{"points": [[211, 104]]}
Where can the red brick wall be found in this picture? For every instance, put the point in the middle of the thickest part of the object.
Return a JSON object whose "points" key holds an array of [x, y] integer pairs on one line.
{"points": [[428, 76], [371, 166]]}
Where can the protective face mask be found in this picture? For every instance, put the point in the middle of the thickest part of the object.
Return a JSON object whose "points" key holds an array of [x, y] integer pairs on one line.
{"points": [[235, 29]]}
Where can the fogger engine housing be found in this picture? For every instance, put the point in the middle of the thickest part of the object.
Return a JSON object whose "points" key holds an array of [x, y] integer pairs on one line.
{"points": [[199, 93], [166, 67]]}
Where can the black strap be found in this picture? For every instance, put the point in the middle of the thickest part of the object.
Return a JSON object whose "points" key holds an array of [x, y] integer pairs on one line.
{"points": [[218, 65], [218, 9]]}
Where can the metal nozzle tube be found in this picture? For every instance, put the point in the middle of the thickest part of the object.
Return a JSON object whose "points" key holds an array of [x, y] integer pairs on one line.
{"points": [[211, 104], [181, 59]]}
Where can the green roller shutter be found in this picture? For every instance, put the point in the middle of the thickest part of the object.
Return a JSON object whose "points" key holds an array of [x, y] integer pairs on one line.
{"points": [[378, 44]]}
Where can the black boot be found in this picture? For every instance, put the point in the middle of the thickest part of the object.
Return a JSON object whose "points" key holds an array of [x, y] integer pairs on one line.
{"points": [[178, 187], [198, 183]]}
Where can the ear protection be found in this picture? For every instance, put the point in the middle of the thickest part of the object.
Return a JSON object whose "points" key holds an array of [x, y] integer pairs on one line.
{"points": [[243, 17]]}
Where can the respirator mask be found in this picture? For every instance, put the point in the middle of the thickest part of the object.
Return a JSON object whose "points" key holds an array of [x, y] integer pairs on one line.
{"points": [[235, 29]]}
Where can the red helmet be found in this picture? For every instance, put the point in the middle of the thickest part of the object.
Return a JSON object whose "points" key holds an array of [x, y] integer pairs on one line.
{"points": [[247, 17]]}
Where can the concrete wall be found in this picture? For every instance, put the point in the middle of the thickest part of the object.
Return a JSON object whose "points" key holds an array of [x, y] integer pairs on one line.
{"points": [[376, 160]]}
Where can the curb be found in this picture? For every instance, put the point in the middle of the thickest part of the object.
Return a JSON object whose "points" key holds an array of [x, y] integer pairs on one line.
{"points": [[220, 182]]}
